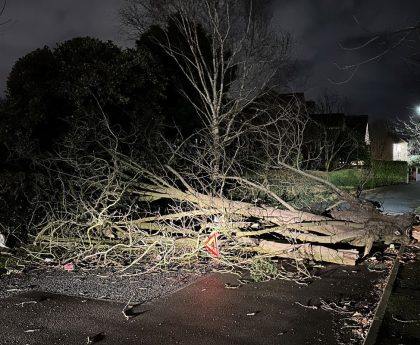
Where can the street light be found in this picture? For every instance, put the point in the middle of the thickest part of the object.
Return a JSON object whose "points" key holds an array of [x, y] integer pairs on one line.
{"points": [[417, 109]]}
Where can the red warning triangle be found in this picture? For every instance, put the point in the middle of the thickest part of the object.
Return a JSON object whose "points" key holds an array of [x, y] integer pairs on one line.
{"points": [[212, 245]]}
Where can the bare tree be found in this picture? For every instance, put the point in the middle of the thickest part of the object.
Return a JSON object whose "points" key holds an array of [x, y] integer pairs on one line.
{"points": [[3, 6], [331, 103], [2, 9], [108, 206], [332, 136], [410, 130], [242, 58], [386, 42], [108, 211], [338, 145], [278, 134]]}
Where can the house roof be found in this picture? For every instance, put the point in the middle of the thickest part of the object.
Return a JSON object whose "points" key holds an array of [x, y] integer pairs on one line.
{"points": [[357, 122], [335, 120], [339, 120]]}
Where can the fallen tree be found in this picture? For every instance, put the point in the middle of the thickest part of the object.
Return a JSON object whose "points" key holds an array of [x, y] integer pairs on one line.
{"points": [[157, 207], [114, 209], [127, 215]]}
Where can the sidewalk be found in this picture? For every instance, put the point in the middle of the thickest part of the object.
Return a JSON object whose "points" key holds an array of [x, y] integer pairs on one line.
{"points": [[401, 322], [210, 311], [401, 319]]}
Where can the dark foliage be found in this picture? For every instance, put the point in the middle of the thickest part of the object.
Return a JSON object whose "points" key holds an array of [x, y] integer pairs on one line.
{"points": [[59, 96], [49, 88]]}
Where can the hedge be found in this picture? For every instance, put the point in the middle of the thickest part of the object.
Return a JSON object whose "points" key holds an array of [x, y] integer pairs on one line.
{"points": [[380, 173]]}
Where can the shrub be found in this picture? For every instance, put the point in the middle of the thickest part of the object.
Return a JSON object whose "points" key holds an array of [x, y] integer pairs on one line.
{"points": [[380, 173], [263, 269], [389, 172]]}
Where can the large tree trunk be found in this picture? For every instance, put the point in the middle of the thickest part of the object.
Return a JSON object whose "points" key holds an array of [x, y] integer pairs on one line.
{"points": [[294, 233], [186, 217]]}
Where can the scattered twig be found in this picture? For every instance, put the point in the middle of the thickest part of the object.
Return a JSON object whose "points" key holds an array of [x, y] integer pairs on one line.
{"points": [[404, 321], [27, 302], [231, 286], [252, 313], [333, 307], [126, 308], [314, 307]]}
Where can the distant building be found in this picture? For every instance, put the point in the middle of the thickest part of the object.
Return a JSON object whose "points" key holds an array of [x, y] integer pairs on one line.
{"points": [[400, 150], [321, 141], [338, 140], [386, 145]]}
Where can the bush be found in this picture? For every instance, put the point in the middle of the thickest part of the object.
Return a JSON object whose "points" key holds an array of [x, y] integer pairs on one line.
{"points": [[20, 193], [380, 173], [389, 172], [263, 269], [347, 177]]}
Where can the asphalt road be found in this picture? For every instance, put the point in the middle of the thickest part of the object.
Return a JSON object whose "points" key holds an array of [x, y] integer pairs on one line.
{"points": [[403, 198], [210, 311], [328, 311]]}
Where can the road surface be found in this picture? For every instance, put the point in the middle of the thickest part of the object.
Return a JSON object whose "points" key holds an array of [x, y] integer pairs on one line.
{"points": [[403, 198]]}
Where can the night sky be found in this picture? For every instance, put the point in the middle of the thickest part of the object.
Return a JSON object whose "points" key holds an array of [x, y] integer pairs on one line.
{"points": [[382, 89]]}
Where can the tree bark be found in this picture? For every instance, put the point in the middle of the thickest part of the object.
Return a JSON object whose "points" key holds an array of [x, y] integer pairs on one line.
{"points": [[359, 225], [308, 251]]}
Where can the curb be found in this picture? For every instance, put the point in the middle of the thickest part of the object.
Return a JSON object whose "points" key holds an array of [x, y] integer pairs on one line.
{"points": [[380, 310]]}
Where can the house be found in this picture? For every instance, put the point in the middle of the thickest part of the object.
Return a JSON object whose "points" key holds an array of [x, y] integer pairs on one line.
{"points": [[400, 150], [277, 122], [297, 135], [388, 146], [338, 140]]}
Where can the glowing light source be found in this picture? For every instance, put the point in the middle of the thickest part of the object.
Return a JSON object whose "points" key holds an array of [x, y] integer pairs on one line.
{"points": [[417, 110]]}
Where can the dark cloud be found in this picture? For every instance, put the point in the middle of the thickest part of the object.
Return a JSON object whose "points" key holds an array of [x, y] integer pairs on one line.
{"points": [[34, 24], [383, 88]]}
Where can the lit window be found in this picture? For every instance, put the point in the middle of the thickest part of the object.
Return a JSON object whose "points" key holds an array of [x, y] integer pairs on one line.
{"points": [[397, 151]]}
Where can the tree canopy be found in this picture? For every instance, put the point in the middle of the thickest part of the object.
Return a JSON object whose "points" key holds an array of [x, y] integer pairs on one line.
{"points": [[48, 89]]}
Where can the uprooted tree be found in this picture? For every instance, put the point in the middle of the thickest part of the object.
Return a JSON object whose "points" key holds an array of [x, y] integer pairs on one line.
{"points": [[111, 206], [117, 211]]}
